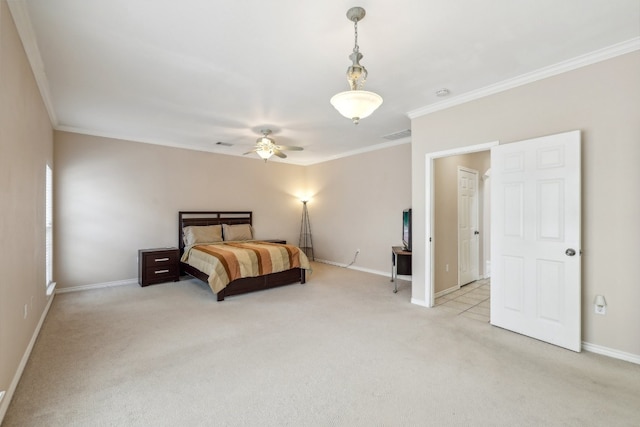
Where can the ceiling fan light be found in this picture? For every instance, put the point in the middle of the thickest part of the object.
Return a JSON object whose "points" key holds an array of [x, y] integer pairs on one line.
{"points": [[266, 147], [265, 140], [356, 104], [264, 153]]}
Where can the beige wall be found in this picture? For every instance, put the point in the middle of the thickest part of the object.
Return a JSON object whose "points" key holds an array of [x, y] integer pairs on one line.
{"points": [[357, 204], [603, 101], [26, 146], [445, 238], [114, 197]]}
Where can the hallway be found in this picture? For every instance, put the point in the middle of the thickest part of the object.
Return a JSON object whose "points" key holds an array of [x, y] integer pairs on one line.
{"points": [[472, 301]]}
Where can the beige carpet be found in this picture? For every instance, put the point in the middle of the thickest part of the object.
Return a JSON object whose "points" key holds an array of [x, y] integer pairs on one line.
{"points": [[342, 350]]}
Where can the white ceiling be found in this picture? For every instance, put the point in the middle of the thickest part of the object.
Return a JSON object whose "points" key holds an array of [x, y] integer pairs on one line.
{"points": [[190, 73]]}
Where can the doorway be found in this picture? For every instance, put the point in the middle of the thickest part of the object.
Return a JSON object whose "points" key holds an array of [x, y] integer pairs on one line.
{"points": [[536, 289], [458, 233]]}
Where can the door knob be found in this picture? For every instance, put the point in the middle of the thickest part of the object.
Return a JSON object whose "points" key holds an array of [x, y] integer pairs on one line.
{"points": [[570, 252]]}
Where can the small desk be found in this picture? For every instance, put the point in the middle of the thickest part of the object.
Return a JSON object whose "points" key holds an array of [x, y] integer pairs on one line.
{"points": [[400, 264]]}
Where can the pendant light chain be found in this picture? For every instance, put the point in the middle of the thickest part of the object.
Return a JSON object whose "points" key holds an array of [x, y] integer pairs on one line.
{"points": [[356, 48]]}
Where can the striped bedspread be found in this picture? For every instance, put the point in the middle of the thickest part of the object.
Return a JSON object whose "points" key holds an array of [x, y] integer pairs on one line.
{"points": [[228, 261]]}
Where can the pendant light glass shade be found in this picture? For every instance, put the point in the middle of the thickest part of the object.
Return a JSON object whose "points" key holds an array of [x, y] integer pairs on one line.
{"points": [[356, 104]]}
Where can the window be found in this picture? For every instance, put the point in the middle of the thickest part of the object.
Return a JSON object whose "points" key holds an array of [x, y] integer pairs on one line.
{"points": [[49, 231]]}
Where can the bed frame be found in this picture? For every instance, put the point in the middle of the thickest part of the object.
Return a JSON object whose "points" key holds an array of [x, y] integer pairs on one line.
{"points": [[239, 286]]}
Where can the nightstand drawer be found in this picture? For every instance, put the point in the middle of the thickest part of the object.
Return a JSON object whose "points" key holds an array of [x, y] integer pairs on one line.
{"points": [[161, 258], [160, 274], [158, 266]]}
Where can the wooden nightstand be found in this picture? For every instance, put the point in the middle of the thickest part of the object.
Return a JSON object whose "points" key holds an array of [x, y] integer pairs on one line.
{"points": [[158, 266], [283, 242]]}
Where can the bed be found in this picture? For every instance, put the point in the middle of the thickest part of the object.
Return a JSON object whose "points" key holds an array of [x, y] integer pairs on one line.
{"points": [[203, 254]]}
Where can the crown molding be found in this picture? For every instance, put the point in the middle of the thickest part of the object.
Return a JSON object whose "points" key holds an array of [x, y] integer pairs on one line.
{"points": [[20, 14], [542, 73], [122, 137], [182, 145], [367, 149]]}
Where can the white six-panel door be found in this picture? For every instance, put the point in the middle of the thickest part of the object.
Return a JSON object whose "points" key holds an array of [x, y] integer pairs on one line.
{"points": [[468, 234], [535, 249]]}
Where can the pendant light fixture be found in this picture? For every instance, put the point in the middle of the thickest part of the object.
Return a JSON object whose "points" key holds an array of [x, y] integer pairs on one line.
{"points": [[356, 103]]}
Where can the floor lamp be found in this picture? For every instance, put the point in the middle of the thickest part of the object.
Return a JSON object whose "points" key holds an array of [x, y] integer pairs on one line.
{"points": [[305, 243]]}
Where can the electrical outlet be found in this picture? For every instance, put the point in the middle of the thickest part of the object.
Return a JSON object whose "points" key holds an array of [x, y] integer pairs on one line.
{"points": [[2, 395], [25, 311], [446, 268], [600, 309]]}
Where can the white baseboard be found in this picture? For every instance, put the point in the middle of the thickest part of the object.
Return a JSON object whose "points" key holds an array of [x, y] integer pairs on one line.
{"points": [[4, 405], [378, 272], [365, 270], [325, 261], [446, 291], [606, 351], [420, 302], [97, 286], [368, 270]]}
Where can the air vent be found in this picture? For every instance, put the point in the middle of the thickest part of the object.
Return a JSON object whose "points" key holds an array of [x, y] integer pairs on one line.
{"points": [[224, 144], [398, 135]]}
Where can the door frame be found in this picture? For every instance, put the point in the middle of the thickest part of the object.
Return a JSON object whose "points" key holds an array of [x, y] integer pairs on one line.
{"points": [[429, 210]]}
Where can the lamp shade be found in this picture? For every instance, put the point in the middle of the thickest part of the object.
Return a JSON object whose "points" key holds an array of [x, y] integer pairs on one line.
{"points": [[356, 104]]}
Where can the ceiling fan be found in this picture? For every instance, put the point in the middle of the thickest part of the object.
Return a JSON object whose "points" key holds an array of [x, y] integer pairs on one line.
{"points": [[266, 147]]}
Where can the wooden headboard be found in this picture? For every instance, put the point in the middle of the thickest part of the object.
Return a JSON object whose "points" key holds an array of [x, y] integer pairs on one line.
{"points": [[186, 218]]}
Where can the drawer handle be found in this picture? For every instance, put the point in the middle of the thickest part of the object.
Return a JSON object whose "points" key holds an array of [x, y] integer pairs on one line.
{"points": [[161, 259], [160, 271]]}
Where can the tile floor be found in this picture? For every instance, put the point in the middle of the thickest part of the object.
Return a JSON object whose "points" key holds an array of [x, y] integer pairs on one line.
{"points": [[471, 301]]}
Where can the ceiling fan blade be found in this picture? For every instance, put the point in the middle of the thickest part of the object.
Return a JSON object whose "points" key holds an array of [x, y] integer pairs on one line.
{"points": [[279, 153], [249, 152], [289, 148]]}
